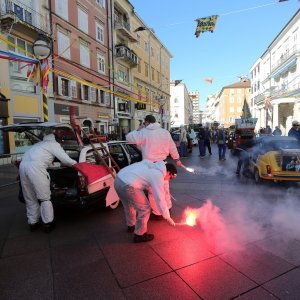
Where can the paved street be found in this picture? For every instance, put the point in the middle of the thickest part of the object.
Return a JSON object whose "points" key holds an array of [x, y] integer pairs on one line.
{"points": [[246, 245]]}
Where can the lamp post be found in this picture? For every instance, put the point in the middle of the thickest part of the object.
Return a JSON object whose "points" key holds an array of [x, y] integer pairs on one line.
{"points": [[42, 50]]}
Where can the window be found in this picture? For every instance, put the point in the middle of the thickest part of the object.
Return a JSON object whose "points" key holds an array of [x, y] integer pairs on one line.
{"points": [[146, 47], [239, 99], [66, 87], [152, 52], [146, 69], [231, 109], [139, 67], [63, 42], [88, 93], [239, 109], [103, 98], [84, 54], [101, 63], [153, 74], [83, 22], [62, 9], [99, 33], [138, 39], [231, 99], [239, 91], [122, 75], [101, 3]]}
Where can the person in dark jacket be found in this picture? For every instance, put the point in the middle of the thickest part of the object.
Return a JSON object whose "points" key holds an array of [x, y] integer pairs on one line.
{"points": [[277, 131], [221, 141], [207, 137], [294, 131], [201, 141]]}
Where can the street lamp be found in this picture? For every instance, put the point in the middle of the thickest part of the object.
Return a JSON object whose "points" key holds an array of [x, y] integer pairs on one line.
{"points": [[42, 50], [42, 47]]}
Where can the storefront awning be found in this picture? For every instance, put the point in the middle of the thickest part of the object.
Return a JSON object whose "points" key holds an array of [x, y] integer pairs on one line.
{"points": [[285, 68]]}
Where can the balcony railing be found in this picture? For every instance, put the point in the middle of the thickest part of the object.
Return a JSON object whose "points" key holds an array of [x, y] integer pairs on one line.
{"points": [[284, 57], [19, 12], [124, 27], [125, 53]]}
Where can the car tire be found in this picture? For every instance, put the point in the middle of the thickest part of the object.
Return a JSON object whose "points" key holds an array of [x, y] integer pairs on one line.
{"points": [[257, 178]]}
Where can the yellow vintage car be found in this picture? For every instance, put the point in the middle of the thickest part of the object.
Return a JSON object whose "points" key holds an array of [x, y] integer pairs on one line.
{"points": [[275, 158]]}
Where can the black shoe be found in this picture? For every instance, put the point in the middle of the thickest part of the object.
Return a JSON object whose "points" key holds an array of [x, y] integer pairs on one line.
{"points": [[156, 217], [237, 173], [34, 227], [146, 237], [130, 228], [48, 227]]}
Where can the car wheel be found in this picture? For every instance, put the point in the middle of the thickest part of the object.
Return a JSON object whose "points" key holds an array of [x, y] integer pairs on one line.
{"points": [[114, 205], [257, 178]]}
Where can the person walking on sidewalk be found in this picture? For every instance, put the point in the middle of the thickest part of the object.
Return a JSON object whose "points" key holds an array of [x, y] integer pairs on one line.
{"points": [[130, 184], [156, 144], [35, 180], [221, 141]]}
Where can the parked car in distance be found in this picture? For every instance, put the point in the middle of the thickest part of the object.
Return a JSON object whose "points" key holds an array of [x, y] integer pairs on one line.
{"points": [[68, 186], [271, 158]]}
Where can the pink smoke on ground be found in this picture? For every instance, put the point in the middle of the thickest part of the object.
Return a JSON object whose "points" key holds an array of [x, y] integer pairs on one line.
{"points": [[223, 234]]}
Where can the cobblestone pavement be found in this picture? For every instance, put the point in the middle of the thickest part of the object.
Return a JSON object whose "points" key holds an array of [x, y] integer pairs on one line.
{"points": [[245, 245]]}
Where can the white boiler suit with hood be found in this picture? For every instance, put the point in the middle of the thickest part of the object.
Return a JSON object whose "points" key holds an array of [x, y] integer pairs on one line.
{"points": [[156, 144], [35, 179], [130, 184]]}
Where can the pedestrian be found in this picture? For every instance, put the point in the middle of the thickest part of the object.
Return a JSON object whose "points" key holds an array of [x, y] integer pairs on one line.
{"points": [[277, 131], [207, 137], [123, 135], [244, 153], [182, 142], [130, 184], [35, 180], [294, 131], [268, 130], [221, 141], [156, 145], [201, 141]]}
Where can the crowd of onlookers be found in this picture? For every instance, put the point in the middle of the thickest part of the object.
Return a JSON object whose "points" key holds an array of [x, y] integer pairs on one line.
{"points": [[184, 137]]}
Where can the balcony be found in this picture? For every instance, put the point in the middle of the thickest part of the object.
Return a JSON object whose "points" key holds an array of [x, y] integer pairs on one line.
{"points": [[122, 52], [284, 58], [15, 12], [124, 28]]}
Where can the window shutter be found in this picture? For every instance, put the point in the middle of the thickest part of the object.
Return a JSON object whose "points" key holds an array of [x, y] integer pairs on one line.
{"points": [[59, 86], [73, 91], [93, 94], [82, 91], [99, 96], [107, 99]]}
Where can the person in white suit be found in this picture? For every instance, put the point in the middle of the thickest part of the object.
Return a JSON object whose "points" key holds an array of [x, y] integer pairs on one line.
{"points": [[156, 144], [35, 180]]}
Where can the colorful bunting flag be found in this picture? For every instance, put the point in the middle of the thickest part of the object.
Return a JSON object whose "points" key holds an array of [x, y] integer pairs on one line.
{"points": [[206, 24]]}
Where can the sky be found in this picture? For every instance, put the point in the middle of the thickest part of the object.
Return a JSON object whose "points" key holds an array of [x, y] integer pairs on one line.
{"points": [[243, 32]]}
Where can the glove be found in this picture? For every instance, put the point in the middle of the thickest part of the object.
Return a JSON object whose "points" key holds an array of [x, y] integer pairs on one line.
{"points": [[178, 163], [171, 221]]}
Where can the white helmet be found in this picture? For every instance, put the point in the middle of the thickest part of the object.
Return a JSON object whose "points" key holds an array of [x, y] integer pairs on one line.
{"points": [[220, 127]]}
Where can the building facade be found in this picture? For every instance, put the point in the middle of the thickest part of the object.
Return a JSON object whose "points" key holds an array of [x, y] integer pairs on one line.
{"points": [[21, 22], [195, 96], [231, 101], [276, 80], [181, 105]]}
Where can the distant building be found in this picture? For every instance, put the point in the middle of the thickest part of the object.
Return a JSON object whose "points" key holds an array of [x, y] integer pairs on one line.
{"points": [[196, 109], [181, 105], [231, 100]]}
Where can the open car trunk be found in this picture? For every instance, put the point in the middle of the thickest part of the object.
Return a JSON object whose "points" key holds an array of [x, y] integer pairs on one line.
{"points": [[64, 183]]}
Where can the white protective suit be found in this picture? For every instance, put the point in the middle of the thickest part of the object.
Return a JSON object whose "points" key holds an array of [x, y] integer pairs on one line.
{"points": [[156, 144], [130, 184], [35, 179]]}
